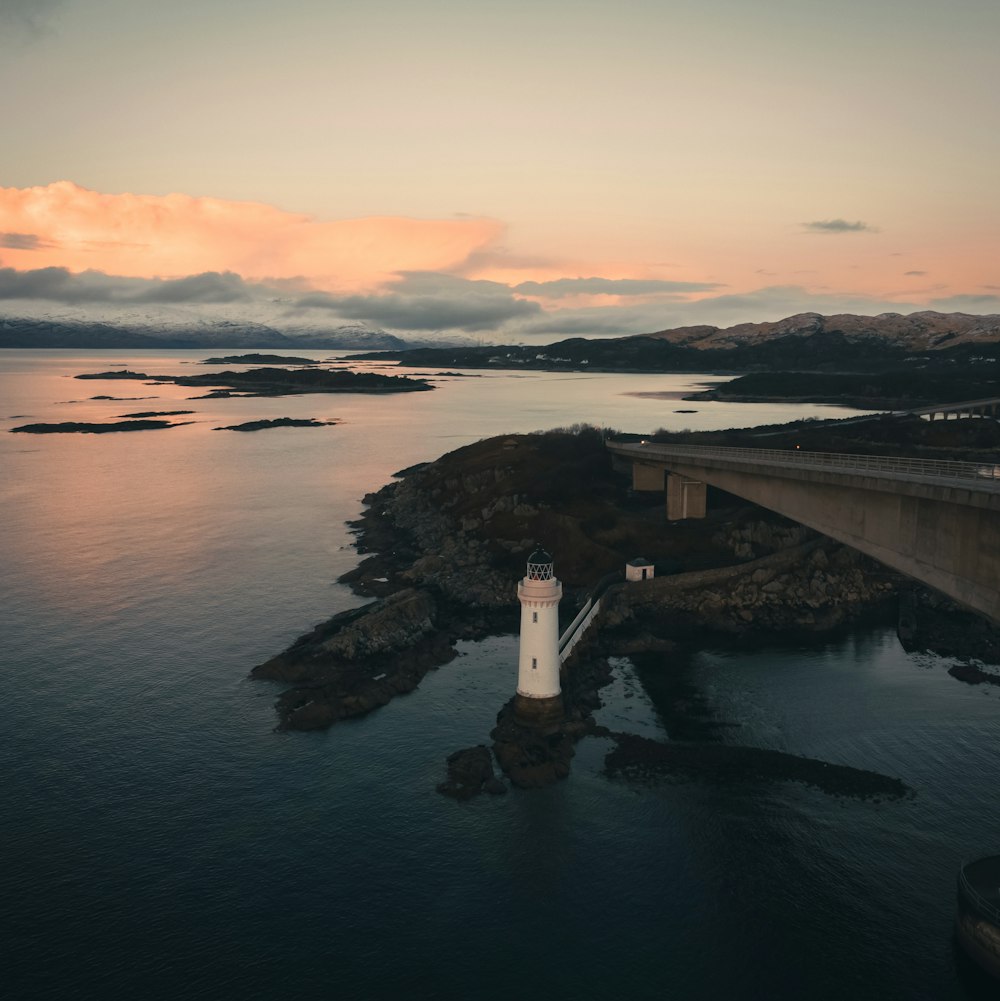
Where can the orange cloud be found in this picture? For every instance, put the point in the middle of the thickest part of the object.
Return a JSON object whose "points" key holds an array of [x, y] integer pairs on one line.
{"points": [[172, 235]]}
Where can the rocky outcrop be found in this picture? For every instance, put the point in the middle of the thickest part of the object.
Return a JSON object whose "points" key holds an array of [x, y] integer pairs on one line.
{"points": [[470, 772], [930, 621], [358, 660], [450, 557], [813, 586], [532, 756], [754, 538]]}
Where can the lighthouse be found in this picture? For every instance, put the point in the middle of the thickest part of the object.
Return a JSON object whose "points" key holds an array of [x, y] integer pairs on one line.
{"points": [[538, 698]]}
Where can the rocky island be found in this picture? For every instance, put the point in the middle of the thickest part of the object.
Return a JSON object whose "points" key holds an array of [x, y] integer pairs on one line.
{"points": [[278, 422], [258, 359], [445, 542], [84, 427], [279, 381]]}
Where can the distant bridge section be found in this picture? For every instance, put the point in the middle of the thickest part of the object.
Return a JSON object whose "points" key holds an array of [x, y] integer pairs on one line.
{"points": [[969, 408], [936, 521]]}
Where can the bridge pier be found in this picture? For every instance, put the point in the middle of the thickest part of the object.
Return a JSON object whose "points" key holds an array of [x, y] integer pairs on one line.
{"points": [[685, 497]]}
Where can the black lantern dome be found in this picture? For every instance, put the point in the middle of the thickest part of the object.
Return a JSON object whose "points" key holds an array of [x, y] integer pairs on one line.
{"points": [[540, 565]]}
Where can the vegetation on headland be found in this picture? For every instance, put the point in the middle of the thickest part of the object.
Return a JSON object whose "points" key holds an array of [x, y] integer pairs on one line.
{"points": [[281, 382]]}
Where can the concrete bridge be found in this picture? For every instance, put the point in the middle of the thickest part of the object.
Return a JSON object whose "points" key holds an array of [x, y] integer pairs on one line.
{"points": [[968, 408], [936, 521]]}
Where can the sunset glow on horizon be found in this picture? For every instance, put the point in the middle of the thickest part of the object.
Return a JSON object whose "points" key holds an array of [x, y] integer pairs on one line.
{"points": [[596, 168]]}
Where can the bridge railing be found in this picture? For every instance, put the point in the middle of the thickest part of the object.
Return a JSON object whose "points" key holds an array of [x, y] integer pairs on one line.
{"points": [[985, 475]]}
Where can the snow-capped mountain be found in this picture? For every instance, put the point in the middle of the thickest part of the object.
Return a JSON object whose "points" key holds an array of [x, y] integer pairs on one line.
{"points": [[916, 332], [26, 323]]}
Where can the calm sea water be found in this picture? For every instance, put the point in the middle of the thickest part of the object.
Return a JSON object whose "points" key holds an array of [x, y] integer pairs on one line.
{"points": [[160, 841]]}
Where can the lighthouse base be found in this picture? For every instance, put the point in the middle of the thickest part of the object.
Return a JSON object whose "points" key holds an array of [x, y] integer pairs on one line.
{"points": [[539, 714]]}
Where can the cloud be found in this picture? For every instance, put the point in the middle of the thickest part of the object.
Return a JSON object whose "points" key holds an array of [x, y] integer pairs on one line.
{"points": [[182, 235], [27, 20], [838, 226], [211, 286], [611, 286], [430, 301], [967, 303], [914, 273], [22, 241], [607, 322], [500, 259], [57, 284], [412, 301], [61, 285]]}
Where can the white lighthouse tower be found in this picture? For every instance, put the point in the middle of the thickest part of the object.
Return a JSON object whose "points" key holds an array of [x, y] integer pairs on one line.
{"points": [[538, 690]]}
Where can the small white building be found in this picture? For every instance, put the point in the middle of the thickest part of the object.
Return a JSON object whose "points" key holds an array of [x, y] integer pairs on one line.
{"points": [[639, 569]]}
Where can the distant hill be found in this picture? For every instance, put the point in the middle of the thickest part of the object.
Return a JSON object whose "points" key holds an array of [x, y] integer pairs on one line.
{"points": [[917, 332], [806, 342], [68, 332]]}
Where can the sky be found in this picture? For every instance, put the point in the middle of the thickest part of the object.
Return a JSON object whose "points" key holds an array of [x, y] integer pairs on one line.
{"points": [[503, 169]]}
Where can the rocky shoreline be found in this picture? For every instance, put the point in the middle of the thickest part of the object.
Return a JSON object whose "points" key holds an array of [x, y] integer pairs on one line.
{"points": [[444, 544]]}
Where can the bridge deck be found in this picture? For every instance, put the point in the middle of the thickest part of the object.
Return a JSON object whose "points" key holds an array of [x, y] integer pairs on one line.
{"points": [[978, 477]]}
